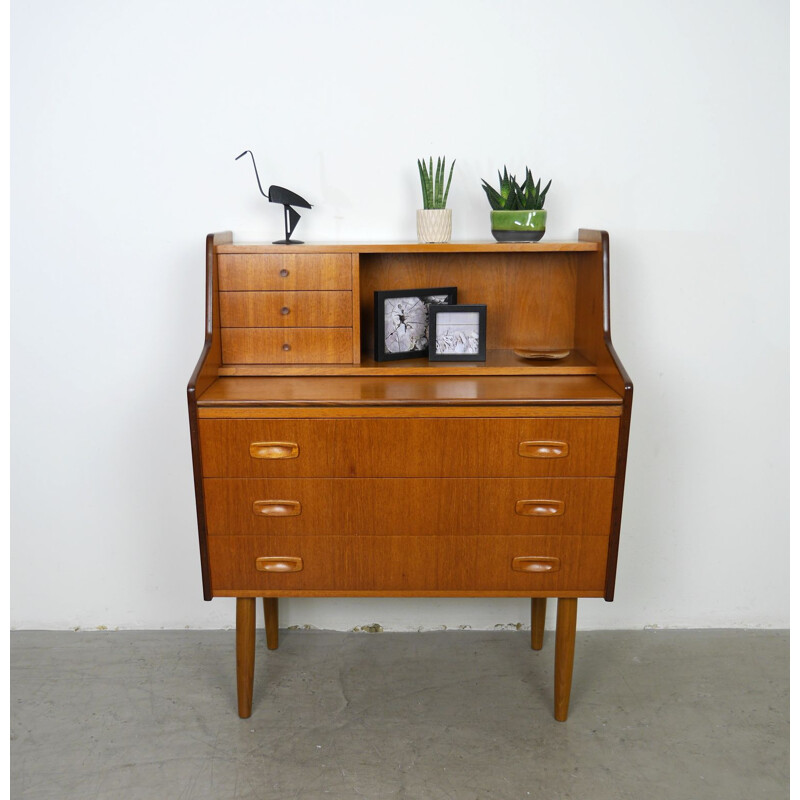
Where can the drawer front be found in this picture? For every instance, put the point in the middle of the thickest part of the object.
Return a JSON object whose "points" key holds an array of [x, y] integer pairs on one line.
{"points": [[408, 506], [412, 447], [387, 564], [286, 309], [253, 272], [287, 345]]}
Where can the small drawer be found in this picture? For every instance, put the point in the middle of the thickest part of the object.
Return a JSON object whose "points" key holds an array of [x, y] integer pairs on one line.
{"points": [[286, 309], [287, 345], [510, 565], [253, 272], [413, 447], [415, 506]]}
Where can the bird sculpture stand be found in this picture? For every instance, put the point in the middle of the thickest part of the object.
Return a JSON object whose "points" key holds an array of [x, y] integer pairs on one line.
{"points": [[277, 194]]}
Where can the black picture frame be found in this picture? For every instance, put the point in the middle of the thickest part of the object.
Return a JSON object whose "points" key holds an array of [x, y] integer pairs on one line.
{"points": [[412, 341], [444, 348]]}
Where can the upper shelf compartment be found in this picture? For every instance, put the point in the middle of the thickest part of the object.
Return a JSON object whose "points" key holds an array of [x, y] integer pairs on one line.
{"points": [[276, 308]]}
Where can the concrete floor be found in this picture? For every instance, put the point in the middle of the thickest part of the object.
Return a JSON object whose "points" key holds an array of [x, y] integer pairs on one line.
{"points": [[463, 715]]}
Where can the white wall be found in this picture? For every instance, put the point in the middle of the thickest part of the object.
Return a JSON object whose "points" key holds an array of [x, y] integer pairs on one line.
{"points": [[665, 123]]}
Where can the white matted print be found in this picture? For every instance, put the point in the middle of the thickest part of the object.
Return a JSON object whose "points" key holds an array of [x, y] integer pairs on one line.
{"points": [[458, 333]]}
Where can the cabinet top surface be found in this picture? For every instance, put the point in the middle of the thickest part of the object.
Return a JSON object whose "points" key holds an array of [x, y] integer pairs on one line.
{"points": [[411, 247]]}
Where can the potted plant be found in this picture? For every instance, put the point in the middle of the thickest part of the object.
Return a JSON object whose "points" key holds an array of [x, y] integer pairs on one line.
{"points": [[518, 213], [434, 220]]}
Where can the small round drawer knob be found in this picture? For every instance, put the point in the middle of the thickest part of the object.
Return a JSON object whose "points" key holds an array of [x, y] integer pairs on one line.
{"points": [[287, 347], [284, 273], [285, 310]]}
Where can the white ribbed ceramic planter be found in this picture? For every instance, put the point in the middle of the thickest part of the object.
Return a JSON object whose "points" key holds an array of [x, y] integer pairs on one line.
{"points": [[434, 224]]}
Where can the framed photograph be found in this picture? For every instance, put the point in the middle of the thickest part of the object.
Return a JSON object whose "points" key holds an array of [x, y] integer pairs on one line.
{"points": [[401, 320], [458, 333]]}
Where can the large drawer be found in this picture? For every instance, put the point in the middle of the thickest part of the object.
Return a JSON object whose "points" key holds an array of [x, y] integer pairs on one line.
{"points": [[409, 447], [286, 309], [287, 345], [252, 272], [520, 565], [408, 506]]}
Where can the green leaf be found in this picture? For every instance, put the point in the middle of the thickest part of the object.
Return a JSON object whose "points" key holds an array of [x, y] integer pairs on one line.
{"points": [[496, 200], [505, 183], [541, 196], [438, 184], [529, 185], [425, 179], [447, 189]]}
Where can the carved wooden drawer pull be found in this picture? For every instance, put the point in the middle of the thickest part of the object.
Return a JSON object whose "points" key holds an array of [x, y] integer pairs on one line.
{"points": [[543, 449], [276, 508], [540, 508], [536, 564], [274, 449], [279, 564]]}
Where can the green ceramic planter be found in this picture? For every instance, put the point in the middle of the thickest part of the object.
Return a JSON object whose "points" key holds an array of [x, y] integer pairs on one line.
{"points": [[518, 226]]}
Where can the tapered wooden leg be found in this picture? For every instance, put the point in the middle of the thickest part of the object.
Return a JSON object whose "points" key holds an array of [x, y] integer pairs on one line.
{"points": [[538, 611], [245, 652], [271, 621], [565, 653]]}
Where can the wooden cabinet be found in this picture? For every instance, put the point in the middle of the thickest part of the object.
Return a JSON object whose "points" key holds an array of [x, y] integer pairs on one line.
{"points": [[320, 471]]}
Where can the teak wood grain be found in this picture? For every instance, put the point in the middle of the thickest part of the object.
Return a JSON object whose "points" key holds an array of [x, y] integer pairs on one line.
{"points": [[245, 653], [286, 309], [271, 622], [541, 314], [356, 298], [330, 474], [498, 362], [405, 412], [202, 377], [287, 272], [538, 615], [593, 333], [411, 391], [491, 246], [566, 621], [397, 506], [287, 345], [385, 565], [403, 447]]}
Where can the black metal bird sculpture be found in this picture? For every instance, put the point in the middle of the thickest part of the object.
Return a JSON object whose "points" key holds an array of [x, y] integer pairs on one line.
{"points": [[277, 194]]}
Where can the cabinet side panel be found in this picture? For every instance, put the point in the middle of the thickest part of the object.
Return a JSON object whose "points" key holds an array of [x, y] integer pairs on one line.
{"points": [[619, 489], [356, 301], [205, 373], [593, 337], [593, 313]]}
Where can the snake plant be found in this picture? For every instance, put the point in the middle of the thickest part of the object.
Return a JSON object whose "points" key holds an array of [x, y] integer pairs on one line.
{"points": [[434, 192], [512, 196]]}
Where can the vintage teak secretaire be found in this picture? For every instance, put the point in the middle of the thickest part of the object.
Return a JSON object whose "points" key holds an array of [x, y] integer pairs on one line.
{"points": [[323, 472]]}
